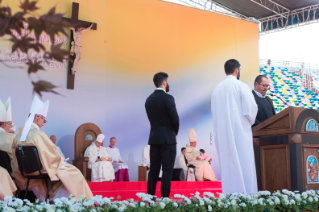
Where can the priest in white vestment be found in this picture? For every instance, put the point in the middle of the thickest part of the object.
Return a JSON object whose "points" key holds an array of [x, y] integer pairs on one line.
{"points": [[53, 139], [120, 168], [203, 170], [7, 186], [71, 179], [234, 112], [181, 163], [100, 161], [145, 159]]}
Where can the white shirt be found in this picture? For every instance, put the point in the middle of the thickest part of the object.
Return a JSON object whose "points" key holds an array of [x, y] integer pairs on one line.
{"points": [[160, 89], [259, 94]]}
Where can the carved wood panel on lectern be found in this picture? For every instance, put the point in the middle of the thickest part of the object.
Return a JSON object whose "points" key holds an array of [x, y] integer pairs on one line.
{"points": [[310, 167], [275, 167]]}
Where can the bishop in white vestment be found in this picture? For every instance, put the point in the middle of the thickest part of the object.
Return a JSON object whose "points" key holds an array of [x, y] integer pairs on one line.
{"points": [[53, 139], [100, 161], [145, 159], [120, 168], [234, 111], [181, 163], [203, 169]]}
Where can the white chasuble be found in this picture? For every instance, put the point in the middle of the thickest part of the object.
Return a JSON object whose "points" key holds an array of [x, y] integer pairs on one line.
{"points": [[234, 112], [203, 169], [7, 186], [181, 164], [102, 170], [116, 157]]}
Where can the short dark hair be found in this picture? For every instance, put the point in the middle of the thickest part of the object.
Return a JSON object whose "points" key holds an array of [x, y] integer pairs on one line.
{"points": [[182, 149], [159, 78], [202, 151], [259, 78], [230, 66], [112, 138]]}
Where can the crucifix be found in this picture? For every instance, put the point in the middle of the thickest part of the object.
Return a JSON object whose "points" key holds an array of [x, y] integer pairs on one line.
{"points": [[75, 41]]}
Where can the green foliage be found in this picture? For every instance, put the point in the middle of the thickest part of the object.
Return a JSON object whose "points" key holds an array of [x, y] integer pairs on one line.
{"points": [[51, 23]]}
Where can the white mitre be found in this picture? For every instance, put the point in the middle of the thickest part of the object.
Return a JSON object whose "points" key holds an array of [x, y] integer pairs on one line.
{"points": [[37, 107], [5, 111], [192, 135]]}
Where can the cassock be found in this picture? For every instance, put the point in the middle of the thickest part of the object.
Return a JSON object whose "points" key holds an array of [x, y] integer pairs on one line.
{"points": [[102, 170], [7, 186], [234, 111], [203, 169], [120, 169], [181, 164], [71, 178], [6, 140]]}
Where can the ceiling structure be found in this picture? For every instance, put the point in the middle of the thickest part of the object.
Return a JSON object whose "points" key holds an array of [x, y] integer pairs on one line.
{"points": [[273, 15]]}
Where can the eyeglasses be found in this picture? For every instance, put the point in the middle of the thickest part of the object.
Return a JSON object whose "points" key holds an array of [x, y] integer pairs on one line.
{"points": [[265, 86], [42, 117]]}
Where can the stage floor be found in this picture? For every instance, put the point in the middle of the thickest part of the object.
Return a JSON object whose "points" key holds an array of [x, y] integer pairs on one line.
{"points": [[128, 190]]}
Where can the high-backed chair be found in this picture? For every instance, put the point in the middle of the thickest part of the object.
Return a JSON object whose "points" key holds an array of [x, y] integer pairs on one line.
{"points": [[84, 136]]}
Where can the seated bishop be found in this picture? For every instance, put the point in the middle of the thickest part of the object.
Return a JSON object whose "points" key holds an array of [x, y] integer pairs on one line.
{"points": [[71, 179], [120, 168], [100, 161], [6, 128], [203, 169], [181, 163], [7, 186]]}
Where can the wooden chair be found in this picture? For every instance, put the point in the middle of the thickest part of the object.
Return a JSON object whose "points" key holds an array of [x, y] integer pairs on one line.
{"points": [[84, 136]]}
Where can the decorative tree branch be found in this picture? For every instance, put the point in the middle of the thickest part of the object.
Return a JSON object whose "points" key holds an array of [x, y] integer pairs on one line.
{"points": [[51, 23]]}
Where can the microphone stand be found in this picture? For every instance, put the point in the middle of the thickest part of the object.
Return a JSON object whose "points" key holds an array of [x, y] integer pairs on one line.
{"points": [[278, 97]]}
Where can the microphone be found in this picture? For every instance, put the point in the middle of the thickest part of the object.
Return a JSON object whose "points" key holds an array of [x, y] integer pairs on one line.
{"points": [[278, 97]]}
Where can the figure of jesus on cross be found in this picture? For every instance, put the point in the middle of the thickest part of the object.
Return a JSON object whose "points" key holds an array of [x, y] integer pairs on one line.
{"points": [[77, 37]]}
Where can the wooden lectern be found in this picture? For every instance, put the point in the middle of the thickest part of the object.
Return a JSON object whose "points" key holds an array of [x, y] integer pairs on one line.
{"points": [[287, 150]]}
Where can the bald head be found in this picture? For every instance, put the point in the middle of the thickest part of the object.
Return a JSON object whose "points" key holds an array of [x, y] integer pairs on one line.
{"points": [[53, 138]]}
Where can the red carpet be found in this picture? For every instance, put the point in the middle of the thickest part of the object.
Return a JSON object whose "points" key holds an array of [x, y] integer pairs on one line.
{"points": [[128, 190]]}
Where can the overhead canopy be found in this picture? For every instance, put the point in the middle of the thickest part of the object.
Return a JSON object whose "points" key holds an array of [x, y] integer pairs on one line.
{"points": [[253, 9]]}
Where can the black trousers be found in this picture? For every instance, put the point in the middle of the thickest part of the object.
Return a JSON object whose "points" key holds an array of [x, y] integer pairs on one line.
{"points": [[161, 155]]}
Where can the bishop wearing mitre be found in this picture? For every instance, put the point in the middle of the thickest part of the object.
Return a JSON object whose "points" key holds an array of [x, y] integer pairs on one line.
{"points": [[120, 168], [7, 186], [71, 179], [100, 161], [6, 128], [203, 169]]}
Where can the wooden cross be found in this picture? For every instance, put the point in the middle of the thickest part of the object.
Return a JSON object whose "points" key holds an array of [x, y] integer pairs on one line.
{"points": [[76, 23]]}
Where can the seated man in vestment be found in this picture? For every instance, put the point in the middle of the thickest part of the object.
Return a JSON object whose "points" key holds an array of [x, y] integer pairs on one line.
{"points": [[203, 169], [6, 132], [7, 186], [145, 159], [100, 161], [71, 179], [181, 163], [53, 139], [120, 168]]}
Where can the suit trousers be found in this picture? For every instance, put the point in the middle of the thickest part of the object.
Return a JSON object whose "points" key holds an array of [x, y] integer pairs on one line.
{"points": [[161, 155]]}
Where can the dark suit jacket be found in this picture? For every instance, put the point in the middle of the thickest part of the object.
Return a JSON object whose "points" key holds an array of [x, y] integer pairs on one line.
{"points": [[261, 115], [162, 114]]}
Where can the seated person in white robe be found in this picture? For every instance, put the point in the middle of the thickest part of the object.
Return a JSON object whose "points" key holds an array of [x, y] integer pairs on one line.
{"points": [[120, 168], [203, 170], [145, 159], [53, 139], [7, 186], [181, 163], [100, 161]]}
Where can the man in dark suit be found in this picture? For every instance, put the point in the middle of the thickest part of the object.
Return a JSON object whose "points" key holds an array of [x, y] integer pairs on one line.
{"points": [[162, 114], [265, 106]]}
